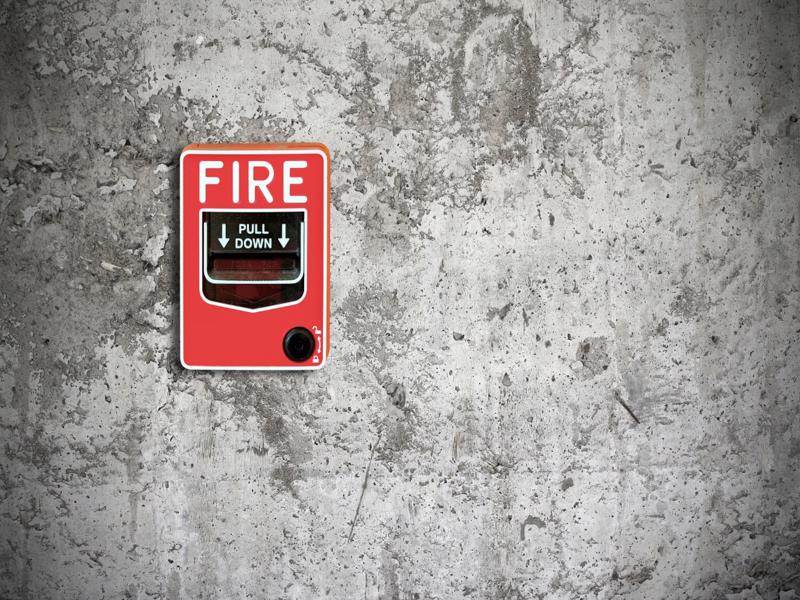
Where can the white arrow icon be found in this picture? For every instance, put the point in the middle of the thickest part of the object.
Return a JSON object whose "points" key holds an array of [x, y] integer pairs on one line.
{"points": [[283, 239], [223, 240]]}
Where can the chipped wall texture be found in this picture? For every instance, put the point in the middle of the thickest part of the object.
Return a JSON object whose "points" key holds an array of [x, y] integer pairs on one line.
{"points": [[565, 300]]}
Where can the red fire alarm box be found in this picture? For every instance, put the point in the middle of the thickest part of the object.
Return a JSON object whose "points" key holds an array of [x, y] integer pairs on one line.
{"points": [[255, 226]]}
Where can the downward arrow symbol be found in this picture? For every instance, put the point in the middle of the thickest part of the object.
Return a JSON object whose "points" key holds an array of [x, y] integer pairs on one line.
{"points": [[223, 241], [283, 239]]}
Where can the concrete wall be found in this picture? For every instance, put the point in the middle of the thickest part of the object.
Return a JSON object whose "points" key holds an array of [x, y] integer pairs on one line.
{"points": [[543, 213]]}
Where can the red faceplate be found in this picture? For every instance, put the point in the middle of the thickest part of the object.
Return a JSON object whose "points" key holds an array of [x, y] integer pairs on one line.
{"points": [[254, 254]]}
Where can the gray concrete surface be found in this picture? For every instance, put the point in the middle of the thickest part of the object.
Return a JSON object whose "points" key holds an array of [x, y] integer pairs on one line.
{"points": [[544, 213]]}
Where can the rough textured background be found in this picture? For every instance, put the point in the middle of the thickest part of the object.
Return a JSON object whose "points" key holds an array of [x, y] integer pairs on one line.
{"points": [[543, 213]]}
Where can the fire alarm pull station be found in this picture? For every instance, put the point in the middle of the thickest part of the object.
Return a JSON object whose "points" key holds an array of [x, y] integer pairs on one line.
{"points": [[254, 256]]}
